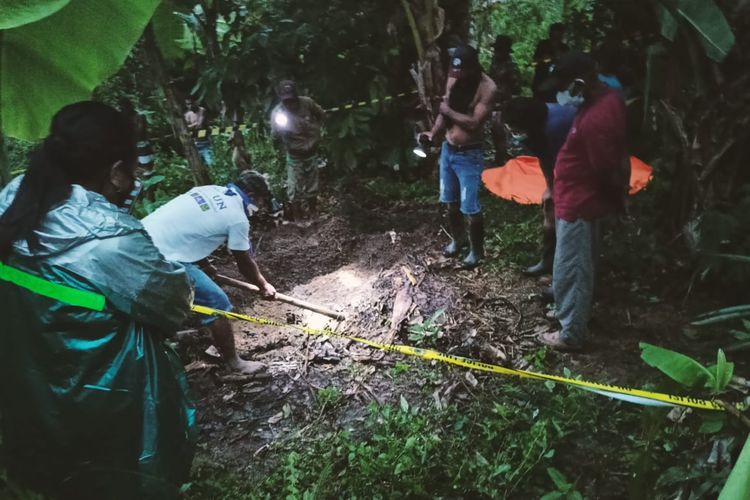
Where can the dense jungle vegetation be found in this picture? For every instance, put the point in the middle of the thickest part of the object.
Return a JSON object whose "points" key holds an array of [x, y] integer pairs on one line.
{"points": [[686, 69]]}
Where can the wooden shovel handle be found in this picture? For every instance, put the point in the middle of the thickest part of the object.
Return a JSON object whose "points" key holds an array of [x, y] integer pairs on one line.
{"points": [[226, 280]]}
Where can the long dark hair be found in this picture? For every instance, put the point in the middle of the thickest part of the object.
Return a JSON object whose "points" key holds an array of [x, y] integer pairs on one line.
{"points": [[85, 140]]}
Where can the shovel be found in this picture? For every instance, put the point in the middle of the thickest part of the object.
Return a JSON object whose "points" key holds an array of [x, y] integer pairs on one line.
{"points": [[226, 280]]}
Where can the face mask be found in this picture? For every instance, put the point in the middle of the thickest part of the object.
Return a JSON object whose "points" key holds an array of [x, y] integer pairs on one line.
{"points": [[565, 99], [252, 209]]}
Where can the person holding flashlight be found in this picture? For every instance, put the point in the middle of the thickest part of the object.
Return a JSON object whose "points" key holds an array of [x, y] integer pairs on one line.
{"points": [[297, 122], [467, 105]]}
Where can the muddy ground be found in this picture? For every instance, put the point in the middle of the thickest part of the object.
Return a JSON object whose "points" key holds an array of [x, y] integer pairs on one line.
{"points": [[365, 257]]}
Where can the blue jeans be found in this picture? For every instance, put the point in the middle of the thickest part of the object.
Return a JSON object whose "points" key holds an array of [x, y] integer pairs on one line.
{"points": [[207, 293], [204, 150], [461, 176]]}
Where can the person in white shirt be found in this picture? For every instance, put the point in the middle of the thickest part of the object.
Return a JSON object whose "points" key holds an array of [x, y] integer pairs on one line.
{"points": [[192, 226]]}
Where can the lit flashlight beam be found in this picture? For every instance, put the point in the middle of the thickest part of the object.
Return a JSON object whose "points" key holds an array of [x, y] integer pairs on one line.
{"points": [[281, 119]]}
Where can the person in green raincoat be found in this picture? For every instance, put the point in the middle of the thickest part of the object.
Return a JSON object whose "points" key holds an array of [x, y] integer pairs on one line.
{"points": [[93, 404]]}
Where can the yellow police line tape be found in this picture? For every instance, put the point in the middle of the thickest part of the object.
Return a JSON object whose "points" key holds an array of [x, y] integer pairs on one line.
{"points": [[628, 394], [214, 131], [359, 104]]}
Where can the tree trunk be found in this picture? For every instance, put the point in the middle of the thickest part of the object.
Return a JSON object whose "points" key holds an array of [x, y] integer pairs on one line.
{"points": [[155, 61], [210, 40], [231, 92], [426, 22], [232, 95], [4, 167], [457, 17]]}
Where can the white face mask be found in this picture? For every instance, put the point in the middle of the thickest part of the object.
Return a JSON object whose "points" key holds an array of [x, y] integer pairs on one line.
{"points": [[252, 209], [565, 99]]}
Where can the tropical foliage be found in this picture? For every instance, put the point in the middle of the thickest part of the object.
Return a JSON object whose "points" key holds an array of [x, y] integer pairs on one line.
{"points": [[684, 63]]}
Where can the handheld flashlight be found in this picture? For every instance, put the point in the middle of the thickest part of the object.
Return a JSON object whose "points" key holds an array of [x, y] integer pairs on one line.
{"points": [[281, 119], [423, 146]]}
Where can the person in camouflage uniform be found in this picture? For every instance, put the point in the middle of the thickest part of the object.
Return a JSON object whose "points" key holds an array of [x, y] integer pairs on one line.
{"points": [[297, 122], [504, 72]]}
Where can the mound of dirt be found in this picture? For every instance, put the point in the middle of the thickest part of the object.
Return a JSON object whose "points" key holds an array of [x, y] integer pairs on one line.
{"points": [[381, 266]]}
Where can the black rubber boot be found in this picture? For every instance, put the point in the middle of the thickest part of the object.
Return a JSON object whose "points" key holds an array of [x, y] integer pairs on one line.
{"points": [[544, 266], [311, 206], [455, 224], [476, 241], [294, 211]]}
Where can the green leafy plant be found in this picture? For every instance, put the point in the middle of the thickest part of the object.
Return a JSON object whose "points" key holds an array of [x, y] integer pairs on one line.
{"points": [[399, 368], [328, 397], [428, 332], [716, 378], [43, 67], [728, 314], [704, 18], [564, 491], [738, 483], [686, 370], [725, 314]]}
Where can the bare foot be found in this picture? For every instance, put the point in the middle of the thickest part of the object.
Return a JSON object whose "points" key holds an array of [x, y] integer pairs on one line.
{"points": [[247, 367], [556, 341]]}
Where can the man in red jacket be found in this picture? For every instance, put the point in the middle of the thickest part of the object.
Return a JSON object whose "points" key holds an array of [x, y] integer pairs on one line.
{"points": [[591, 183]]}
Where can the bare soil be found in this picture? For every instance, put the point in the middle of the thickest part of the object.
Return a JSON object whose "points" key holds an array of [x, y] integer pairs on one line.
{"points": [[365, 258]]}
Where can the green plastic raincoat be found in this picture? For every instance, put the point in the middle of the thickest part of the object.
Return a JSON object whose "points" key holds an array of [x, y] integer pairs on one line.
{"points": [[93, 403]]}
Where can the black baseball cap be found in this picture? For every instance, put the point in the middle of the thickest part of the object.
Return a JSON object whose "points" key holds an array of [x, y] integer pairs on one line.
{"points": [[571, 65], [465, 57]]}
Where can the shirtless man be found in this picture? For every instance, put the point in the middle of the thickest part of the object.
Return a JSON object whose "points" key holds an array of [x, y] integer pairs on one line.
{"points": [[195, 117], [470, 94]]}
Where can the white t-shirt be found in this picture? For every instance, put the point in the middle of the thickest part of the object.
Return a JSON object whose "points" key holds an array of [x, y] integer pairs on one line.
{"points": [[190, 227]]}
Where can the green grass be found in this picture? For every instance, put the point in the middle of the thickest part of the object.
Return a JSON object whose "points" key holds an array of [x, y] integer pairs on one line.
{"points": [[328, 397], [516, 439], [399, 368], [513, 233], [420, 191]]}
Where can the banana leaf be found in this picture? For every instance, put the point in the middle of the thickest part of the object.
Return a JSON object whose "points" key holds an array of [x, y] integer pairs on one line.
{"points": [[704, 17], [724, 314], [59, 58], [15, 13], [738, 483], [676, 366]]}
